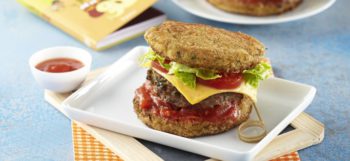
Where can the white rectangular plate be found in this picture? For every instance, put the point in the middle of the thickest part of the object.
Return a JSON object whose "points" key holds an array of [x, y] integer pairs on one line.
{"points": [[107, 103]]}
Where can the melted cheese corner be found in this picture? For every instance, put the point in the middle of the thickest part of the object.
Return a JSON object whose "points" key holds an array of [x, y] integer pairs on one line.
{"points": [[202, 92]]}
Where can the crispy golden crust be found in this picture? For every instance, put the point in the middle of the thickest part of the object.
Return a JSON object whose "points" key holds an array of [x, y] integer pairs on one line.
{"points": [[192, 129], [256, 7], [203, 46]]}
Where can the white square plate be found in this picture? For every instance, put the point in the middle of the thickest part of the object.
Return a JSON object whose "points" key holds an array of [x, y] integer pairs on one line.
{"points": [[107, 103]]}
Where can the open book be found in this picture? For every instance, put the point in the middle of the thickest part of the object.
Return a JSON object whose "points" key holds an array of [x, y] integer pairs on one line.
{"points": [[98, 23]]}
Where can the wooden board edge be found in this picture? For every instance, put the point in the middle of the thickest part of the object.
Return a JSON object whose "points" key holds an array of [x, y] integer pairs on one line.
{"points": [[308, 131], [307, 123], [128, 148]]}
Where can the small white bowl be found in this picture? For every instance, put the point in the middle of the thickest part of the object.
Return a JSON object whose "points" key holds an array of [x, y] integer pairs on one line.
{"points": [[60, 82]]}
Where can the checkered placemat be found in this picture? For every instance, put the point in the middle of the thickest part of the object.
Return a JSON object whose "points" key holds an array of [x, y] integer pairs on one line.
{"points": [[288, 157], [87, 148]]}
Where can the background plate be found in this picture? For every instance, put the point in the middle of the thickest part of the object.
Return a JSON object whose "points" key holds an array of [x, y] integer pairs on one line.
{"points": [[203, 9], [107, 103]]}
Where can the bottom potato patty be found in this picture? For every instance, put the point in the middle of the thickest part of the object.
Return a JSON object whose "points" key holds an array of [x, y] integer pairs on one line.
{"points": [[188, 128]]}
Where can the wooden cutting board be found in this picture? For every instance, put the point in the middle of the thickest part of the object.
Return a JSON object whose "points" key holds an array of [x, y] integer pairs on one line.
{"points": [[308, 131]]}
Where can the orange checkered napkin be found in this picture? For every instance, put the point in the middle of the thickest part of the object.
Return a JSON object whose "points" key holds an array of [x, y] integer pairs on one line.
{"points": [[87, 148], [288, 157]]}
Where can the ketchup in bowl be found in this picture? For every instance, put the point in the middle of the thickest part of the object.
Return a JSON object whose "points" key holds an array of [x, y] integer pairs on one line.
{"points": [[60, 69], [59, 65]]}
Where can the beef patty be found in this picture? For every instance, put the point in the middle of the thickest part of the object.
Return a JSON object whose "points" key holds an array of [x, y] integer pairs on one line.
{"points": [[168, 93]]}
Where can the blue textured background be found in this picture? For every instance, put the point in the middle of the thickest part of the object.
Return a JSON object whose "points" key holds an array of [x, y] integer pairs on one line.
{"points": [[315, 51]]}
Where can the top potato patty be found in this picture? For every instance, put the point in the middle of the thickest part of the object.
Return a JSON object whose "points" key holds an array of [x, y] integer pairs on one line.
{"points": [[206, 47]]}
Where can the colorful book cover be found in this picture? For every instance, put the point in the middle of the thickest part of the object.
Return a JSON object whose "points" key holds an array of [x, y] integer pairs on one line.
{"points": [[89, 21]]}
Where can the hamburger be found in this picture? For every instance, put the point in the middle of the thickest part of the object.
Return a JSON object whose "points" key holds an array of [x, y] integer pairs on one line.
{"points": [[256, 7], [201, 80]]}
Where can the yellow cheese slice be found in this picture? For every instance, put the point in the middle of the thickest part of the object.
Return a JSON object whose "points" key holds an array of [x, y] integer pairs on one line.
{"points": [[202, 92]]}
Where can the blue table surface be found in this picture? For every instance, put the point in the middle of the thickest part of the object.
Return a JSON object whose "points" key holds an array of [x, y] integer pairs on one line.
{"points": [[314, 51]]}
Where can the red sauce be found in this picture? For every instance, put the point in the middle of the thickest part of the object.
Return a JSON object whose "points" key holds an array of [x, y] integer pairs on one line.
{"points": [[155, 105], [144, 98], [59, 65], [227, 81]]}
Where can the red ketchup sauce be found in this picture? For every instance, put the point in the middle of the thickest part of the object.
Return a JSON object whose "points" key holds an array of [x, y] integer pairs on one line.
{"points": [[59, 65], [227, 81], [151, 103]]}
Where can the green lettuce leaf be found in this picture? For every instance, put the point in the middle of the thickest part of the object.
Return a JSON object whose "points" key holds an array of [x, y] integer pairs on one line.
{"points": [[189, 79], [204, 74], [259, 72], [147, 58], [186, 74]]}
